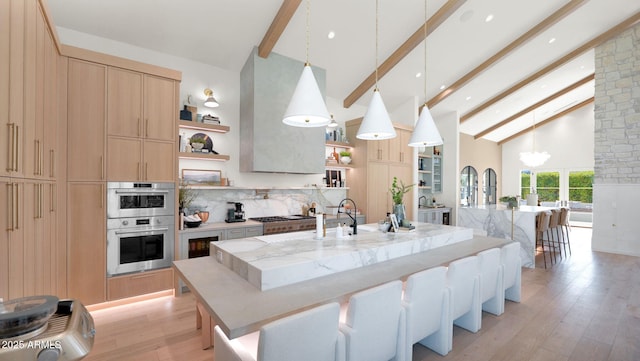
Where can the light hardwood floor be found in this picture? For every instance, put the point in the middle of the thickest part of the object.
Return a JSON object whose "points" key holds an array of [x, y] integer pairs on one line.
{"points": [[586, 307]]}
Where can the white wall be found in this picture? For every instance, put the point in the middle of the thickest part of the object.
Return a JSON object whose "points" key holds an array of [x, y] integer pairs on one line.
{"points": [[196, 77], [448, 125], [569, 141]]}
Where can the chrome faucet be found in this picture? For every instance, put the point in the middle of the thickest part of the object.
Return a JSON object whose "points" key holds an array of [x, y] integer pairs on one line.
{"points": [[419, 199], [348, 213]]}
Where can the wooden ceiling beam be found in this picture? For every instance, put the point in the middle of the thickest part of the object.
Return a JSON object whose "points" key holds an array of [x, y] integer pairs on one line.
{"points": [[528, 109], [570, 7], [279, 23], [414, 40], [548, 120], [626, 24]]}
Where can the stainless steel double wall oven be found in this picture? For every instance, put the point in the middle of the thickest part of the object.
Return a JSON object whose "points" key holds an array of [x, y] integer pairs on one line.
{"points": [[140, 226]]}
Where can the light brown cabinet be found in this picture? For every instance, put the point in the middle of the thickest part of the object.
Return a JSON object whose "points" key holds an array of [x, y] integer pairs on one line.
{"points": [[141, 125], [30, 262], [139, 283], [87, 266], [370, 181], [86, 109]]}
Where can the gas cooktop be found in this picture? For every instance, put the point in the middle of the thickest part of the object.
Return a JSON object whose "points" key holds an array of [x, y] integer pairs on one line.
{"points": [[294, 217]]}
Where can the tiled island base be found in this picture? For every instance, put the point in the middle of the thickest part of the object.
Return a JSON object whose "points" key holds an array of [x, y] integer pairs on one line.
{"points": [[272, 261]]}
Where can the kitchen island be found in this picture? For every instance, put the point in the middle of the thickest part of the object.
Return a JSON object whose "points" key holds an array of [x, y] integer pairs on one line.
{"points": [[518, 224], [227, 299]]}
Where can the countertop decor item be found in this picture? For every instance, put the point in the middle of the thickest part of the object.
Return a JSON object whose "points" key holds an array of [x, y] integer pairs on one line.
{"points": [[201, 138], [510, 201], [345, 157]]}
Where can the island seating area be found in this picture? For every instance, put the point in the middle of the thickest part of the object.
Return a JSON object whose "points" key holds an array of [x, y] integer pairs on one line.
{"points": [[227, 300]]}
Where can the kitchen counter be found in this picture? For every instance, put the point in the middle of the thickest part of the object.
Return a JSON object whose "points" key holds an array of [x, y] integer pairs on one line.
{"points": [[216, 226], [499, 221], [281, 259], [240, 308]]}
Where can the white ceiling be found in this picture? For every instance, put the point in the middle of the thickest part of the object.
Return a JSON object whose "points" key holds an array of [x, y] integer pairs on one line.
{"points": [[223, 32]]}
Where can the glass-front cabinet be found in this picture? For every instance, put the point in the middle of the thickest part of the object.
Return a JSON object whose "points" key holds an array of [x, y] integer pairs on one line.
{"points": [[429, 174]]}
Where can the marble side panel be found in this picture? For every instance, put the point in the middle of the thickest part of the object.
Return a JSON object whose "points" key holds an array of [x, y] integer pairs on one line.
{"points": [[272, 261], [519, 225]]}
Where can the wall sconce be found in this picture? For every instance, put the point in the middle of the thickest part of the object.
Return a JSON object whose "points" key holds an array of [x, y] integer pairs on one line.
{"points": [[211, 102]]}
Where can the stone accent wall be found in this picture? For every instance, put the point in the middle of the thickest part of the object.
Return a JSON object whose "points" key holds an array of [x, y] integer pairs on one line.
{"points": [[617, 109]]}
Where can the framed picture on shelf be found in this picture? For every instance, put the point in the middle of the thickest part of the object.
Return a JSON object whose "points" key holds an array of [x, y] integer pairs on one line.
{"points": [[202, 177], [394, 222]]}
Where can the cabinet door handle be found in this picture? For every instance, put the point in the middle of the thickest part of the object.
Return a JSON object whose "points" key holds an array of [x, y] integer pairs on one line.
{"points": [[101, 168], [17, 148], [36, 160], [102, 196], [146, 127], [138, 126], [9, 207], [52, 163], [16, 202], [52, 189], [146, 171], [11, 147], [139, 166]]}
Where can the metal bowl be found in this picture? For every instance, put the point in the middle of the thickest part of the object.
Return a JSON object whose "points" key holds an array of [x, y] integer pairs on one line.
{"points": [[23, 315], [192, 224]]}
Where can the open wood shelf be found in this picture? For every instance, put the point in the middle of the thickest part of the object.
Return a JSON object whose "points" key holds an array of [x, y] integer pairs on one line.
{"points": [[203, 156], [330, 143], [202, 126]]}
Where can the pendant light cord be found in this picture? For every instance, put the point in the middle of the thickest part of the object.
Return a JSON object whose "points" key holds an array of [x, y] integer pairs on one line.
{"points": [[308, 32], [376, 88], [425, 53]]}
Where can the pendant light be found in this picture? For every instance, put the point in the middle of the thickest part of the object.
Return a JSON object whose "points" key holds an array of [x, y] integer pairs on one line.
{"points": [[307, 107], [376, 124], [425, 133], [534, 159], [333, 123]]}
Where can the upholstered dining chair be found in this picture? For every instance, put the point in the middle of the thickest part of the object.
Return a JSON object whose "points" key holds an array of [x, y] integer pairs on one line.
{"points": [[554, 224], [512, 271], [309, 335], [491, 281], [463, 281], [426, 304], [374, 324]]}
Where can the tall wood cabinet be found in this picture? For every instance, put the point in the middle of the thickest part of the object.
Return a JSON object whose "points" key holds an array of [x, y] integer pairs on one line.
{"points": [[370, 180], [30, 254], [125, 123]]}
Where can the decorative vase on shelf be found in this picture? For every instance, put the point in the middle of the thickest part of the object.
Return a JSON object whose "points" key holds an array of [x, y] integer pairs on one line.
{"points": [[197, 146], [345, 160], [398, 210]]}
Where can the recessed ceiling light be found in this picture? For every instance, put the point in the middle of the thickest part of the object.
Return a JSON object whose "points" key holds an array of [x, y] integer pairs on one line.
{"points": [[552, 40], [488, 18], [418, 75], [442, 87], [468, 98], [331, 35]]}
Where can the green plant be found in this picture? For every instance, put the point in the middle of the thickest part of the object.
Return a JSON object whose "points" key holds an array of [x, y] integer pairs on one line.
{"points": [[198, 139], [512, 201], [345, 153], [398, 192], [186, 195]]}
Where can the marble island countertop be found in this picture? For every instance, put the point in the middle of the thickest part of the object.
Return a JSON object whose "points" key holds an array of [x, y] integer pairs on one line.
{"points": [[502, 207], [272, 261]]}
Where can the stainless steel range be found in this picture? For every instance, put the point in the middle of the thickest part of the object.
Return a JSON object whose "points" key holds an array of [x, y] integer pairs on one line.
{"points": [[44, 328], [284, 224]]}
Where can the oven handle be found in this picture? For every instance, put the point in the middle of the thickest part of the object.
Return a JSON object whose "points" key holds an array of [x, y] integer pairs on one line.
{"points": [[144, 230], [141, 191]]}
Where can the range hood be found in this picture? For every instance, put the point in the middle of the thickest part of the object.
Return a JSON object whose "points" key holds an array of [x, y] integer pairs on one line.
{"points": [[267, 144]]}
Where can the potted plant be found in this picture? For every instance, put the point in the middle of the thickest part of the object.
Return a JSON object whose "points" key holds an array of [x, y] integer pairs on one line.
{"points": [[509, 201], [397, 194], [197, 142], [345, 157]]}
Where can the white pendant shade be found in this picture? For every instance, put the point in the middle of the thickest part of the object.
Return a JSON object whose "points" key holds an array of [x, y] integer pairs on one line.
{"points": [[425, 133], [534, 159], [376, 124], [307, 107]]}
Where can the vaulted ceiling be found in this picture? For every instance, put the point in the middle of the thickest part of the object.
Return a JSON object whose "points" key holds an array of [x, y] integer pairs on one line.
{"points": [[532, 61]]}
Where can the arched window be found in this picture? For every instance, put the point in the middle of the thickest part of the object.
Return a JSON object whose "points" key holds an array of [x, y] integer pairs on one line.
{"points": [[489, 186], [468, 186]]}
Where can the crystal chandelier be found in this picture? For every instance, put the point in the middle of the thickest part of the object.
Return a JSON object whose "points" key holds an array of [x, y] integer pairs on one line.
{"points": [[534, 159]]}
